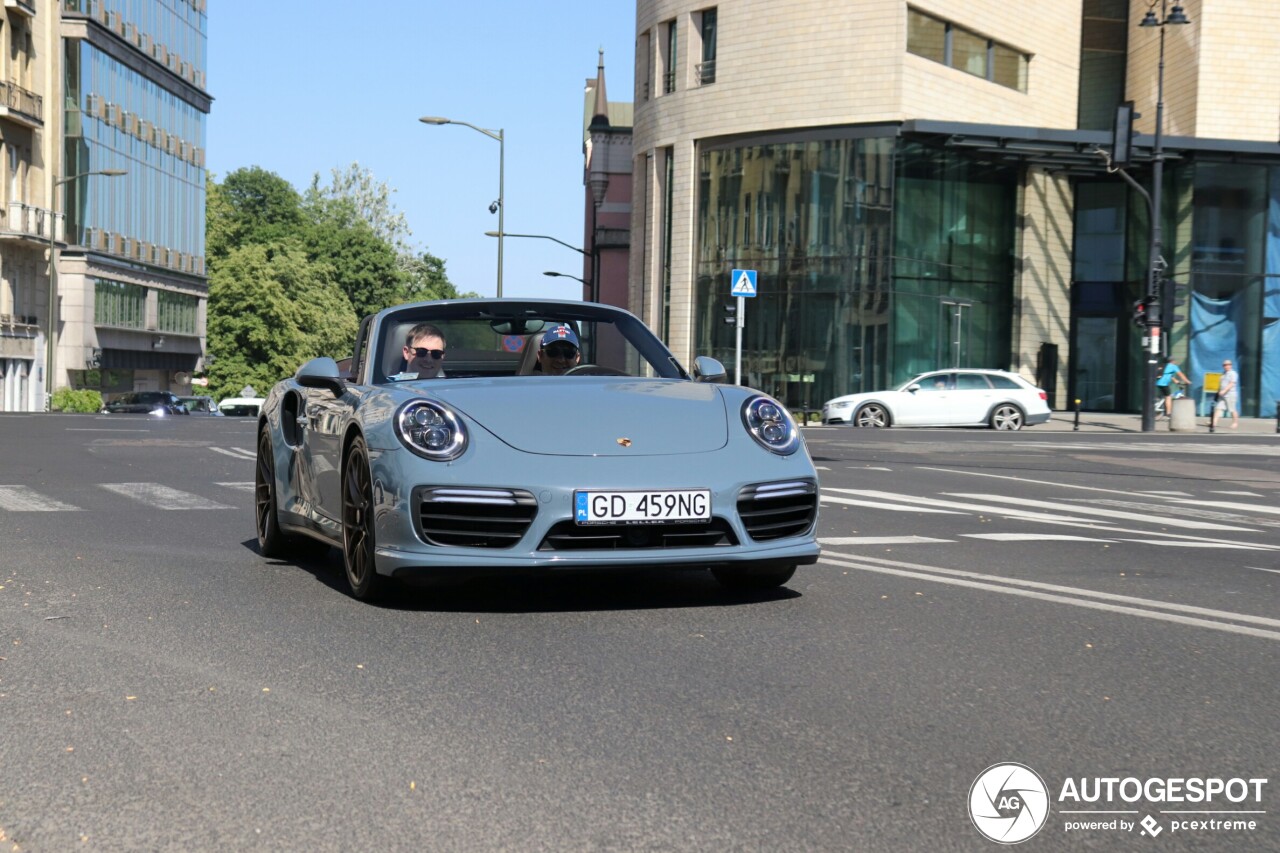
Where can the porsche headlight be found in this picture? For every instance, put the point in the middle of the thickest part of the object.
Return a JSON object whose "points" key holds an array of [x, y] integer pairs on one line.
{"points": [[771, 425], [431, 430]]}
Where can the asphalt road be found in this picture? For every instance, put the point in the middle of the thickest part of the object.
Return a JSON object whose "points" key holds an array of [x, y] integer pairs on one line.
{"points": [[1088, 605]]}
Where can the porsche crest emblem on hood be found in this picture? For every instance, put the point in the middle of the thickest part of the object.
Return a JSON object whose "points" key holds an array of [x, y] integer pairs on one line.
{"points": [[625, 442]]}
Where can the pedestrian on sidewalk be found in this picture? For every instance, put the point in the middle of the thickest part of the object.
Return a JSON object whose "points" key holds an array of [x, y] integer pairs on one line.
{"points": [[1172, 373], [1229, 393]]}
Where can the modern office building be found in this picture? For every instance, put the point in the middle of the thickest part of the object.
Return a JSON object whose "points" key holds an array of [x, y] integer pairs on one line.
{"points": [[116, 170], [924, 184]]}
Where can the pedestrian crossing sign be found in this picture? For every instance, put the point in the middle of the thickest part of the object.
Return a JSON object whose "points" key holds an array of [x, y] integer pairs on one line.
{"points": [[743, 283]]}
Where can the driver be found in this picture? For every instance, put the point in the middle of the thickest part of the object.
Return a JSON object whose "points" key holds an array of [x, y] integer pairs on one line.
{"points": [[424, 352], [558, 353]]}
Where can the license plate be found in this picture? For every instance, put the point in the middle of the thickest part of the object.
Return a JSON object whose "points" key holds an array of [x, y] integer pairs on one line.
{"points": [[641, 507]]}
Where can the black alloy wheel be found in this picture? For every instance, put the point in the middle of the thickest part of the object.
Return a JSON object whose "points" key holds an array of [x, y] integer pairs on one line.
{"points": [[357, 526], [271, 542]]}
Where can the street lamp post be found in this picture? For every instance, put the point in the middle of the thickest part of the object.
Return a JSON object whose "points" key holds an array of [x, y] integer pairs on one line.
{"points": [[1155, 261], [566, 275], [582, 252], [51, 335], [501, 202]]}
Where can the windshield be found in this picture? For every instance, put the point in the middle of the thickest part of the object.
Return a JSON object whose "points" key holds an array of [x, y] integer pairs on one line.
{"points": [[503, 339]]}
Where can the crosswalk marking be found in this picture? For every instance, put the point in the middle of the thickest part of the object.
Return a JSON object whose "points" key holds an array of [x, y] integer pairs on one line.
{"points": [[968, 507], [1190, 523], [237, 452], [162, 497], [1233, 505], [1169, 543], [1035, 537], [24, 499], [879, 540], [242, 487], [886, 506]]}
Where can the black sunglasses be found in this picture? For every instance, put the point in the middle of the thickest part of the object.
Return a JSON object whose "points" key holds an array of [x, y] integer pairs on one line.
{"points": [[421, 352], [561, 352]]}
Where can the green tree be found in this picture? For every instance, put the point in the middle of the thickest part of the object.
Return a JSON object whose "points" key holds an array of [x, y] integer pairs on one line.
{"points": [[270, 310], [251, 205], [371, 199], [364, 265]]}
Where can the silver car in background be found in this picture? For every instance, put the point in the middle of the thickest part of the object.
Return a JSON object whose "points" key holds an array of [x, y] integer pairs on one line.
{"points": [[958, 397]]}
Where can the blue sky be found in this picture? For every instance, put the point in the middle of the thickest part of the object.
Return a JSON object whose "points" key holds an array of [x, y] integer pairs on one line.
{"points": [[305, 87]]}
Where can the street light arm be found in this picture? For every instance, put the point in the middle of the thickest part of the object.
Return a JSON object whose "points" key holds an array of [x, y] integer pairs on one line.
{"points": [[492, 134], [538, 237]]}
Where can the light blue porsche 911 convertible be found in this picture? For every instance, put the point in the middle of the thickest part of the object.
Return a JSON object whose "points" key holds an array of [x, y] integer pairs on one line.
{"points": [[450, 442]]}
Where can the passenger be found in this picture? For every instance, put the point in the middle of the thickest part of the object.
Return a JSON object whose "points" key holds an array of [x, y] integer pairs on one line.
{"points": [[424, 351], [558, 353]]}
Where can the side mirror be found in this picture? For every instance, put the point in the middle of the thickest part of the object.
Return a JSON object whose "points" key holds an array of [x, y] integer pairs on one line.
{"points": [[707, 369], [913, 387], [321, 373]]}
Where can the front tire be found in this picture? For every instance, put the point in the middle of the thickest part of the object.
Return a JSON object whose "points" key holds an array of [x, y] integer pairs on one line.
{"points": [[271, 541], [872, 415], [1007, 417], [357, 526], [753, 580]]}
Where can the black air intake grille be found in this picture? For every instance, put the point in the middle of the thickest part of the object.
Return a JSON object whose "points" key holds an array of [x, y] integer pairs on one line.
{"points": [[473, 518], [776, 510], [568, 536]]}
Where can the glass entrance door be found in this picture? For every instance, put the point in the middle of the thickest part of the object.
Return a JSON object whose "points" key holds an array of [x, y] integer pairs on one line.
{"points": [[955, 326], [1096, 365]]}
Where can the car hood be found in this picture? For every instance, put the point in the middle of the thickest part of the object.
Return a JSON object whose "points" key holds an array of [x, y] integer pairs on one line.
{"points": [[593, 416]]}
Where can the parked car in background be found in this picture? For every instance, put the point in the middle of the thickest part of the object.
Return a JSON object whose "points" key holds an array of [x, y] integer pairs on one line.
{"points": [[961, 397], [146, 403], [626, 461], [241, 406], [201, 406]]}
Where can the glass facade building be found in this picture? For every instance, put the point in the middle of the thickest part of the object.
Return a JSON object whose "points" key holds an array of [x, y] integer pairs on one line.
{"points": [[877, 259]]}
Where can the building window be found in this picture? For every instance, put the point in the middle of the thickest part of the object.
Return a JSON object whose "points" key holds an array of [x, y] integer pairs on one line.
{"points": [[176, 312], [116, 303], [669, 67], [1104, 51], [965, 50], [707, 67]]}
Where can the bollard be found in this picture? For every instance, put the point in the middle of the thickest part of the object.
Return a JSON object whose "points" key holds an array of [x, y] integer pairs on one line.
{"points": [[1278, 416], [1076, 427], [1213, 415]]}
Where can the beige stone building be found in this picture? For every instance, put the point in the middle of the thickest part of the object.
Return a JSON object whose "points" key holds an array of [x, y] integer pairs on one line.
{"points": [[102, 126], [924, 184]]}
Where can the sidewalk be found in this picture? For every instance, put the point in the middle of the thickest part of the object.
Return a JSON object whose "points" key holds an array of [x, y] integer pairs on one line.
{"points": [[1131, 423]]}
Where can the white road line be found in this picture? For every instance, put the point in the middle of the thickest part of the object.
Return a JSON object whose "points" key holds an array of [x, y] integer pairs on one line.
{"points": [[1256, 569], [1230, 546], [879, 540], [964, 507], [1190, 523], [1238, 494], [103, 429], [1036, 537], [1165, 494], [24, 499], [162, 497], [242, 487], [955, 578], [881, 505], [237, 452], [1232, 505]]}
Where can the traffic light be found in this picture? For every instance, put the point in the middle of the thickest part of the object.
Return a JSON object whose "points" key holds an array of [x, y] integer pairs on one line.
{"points": [[730, 313], [1174, 295], [1122, 134], [1140, 313]]}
